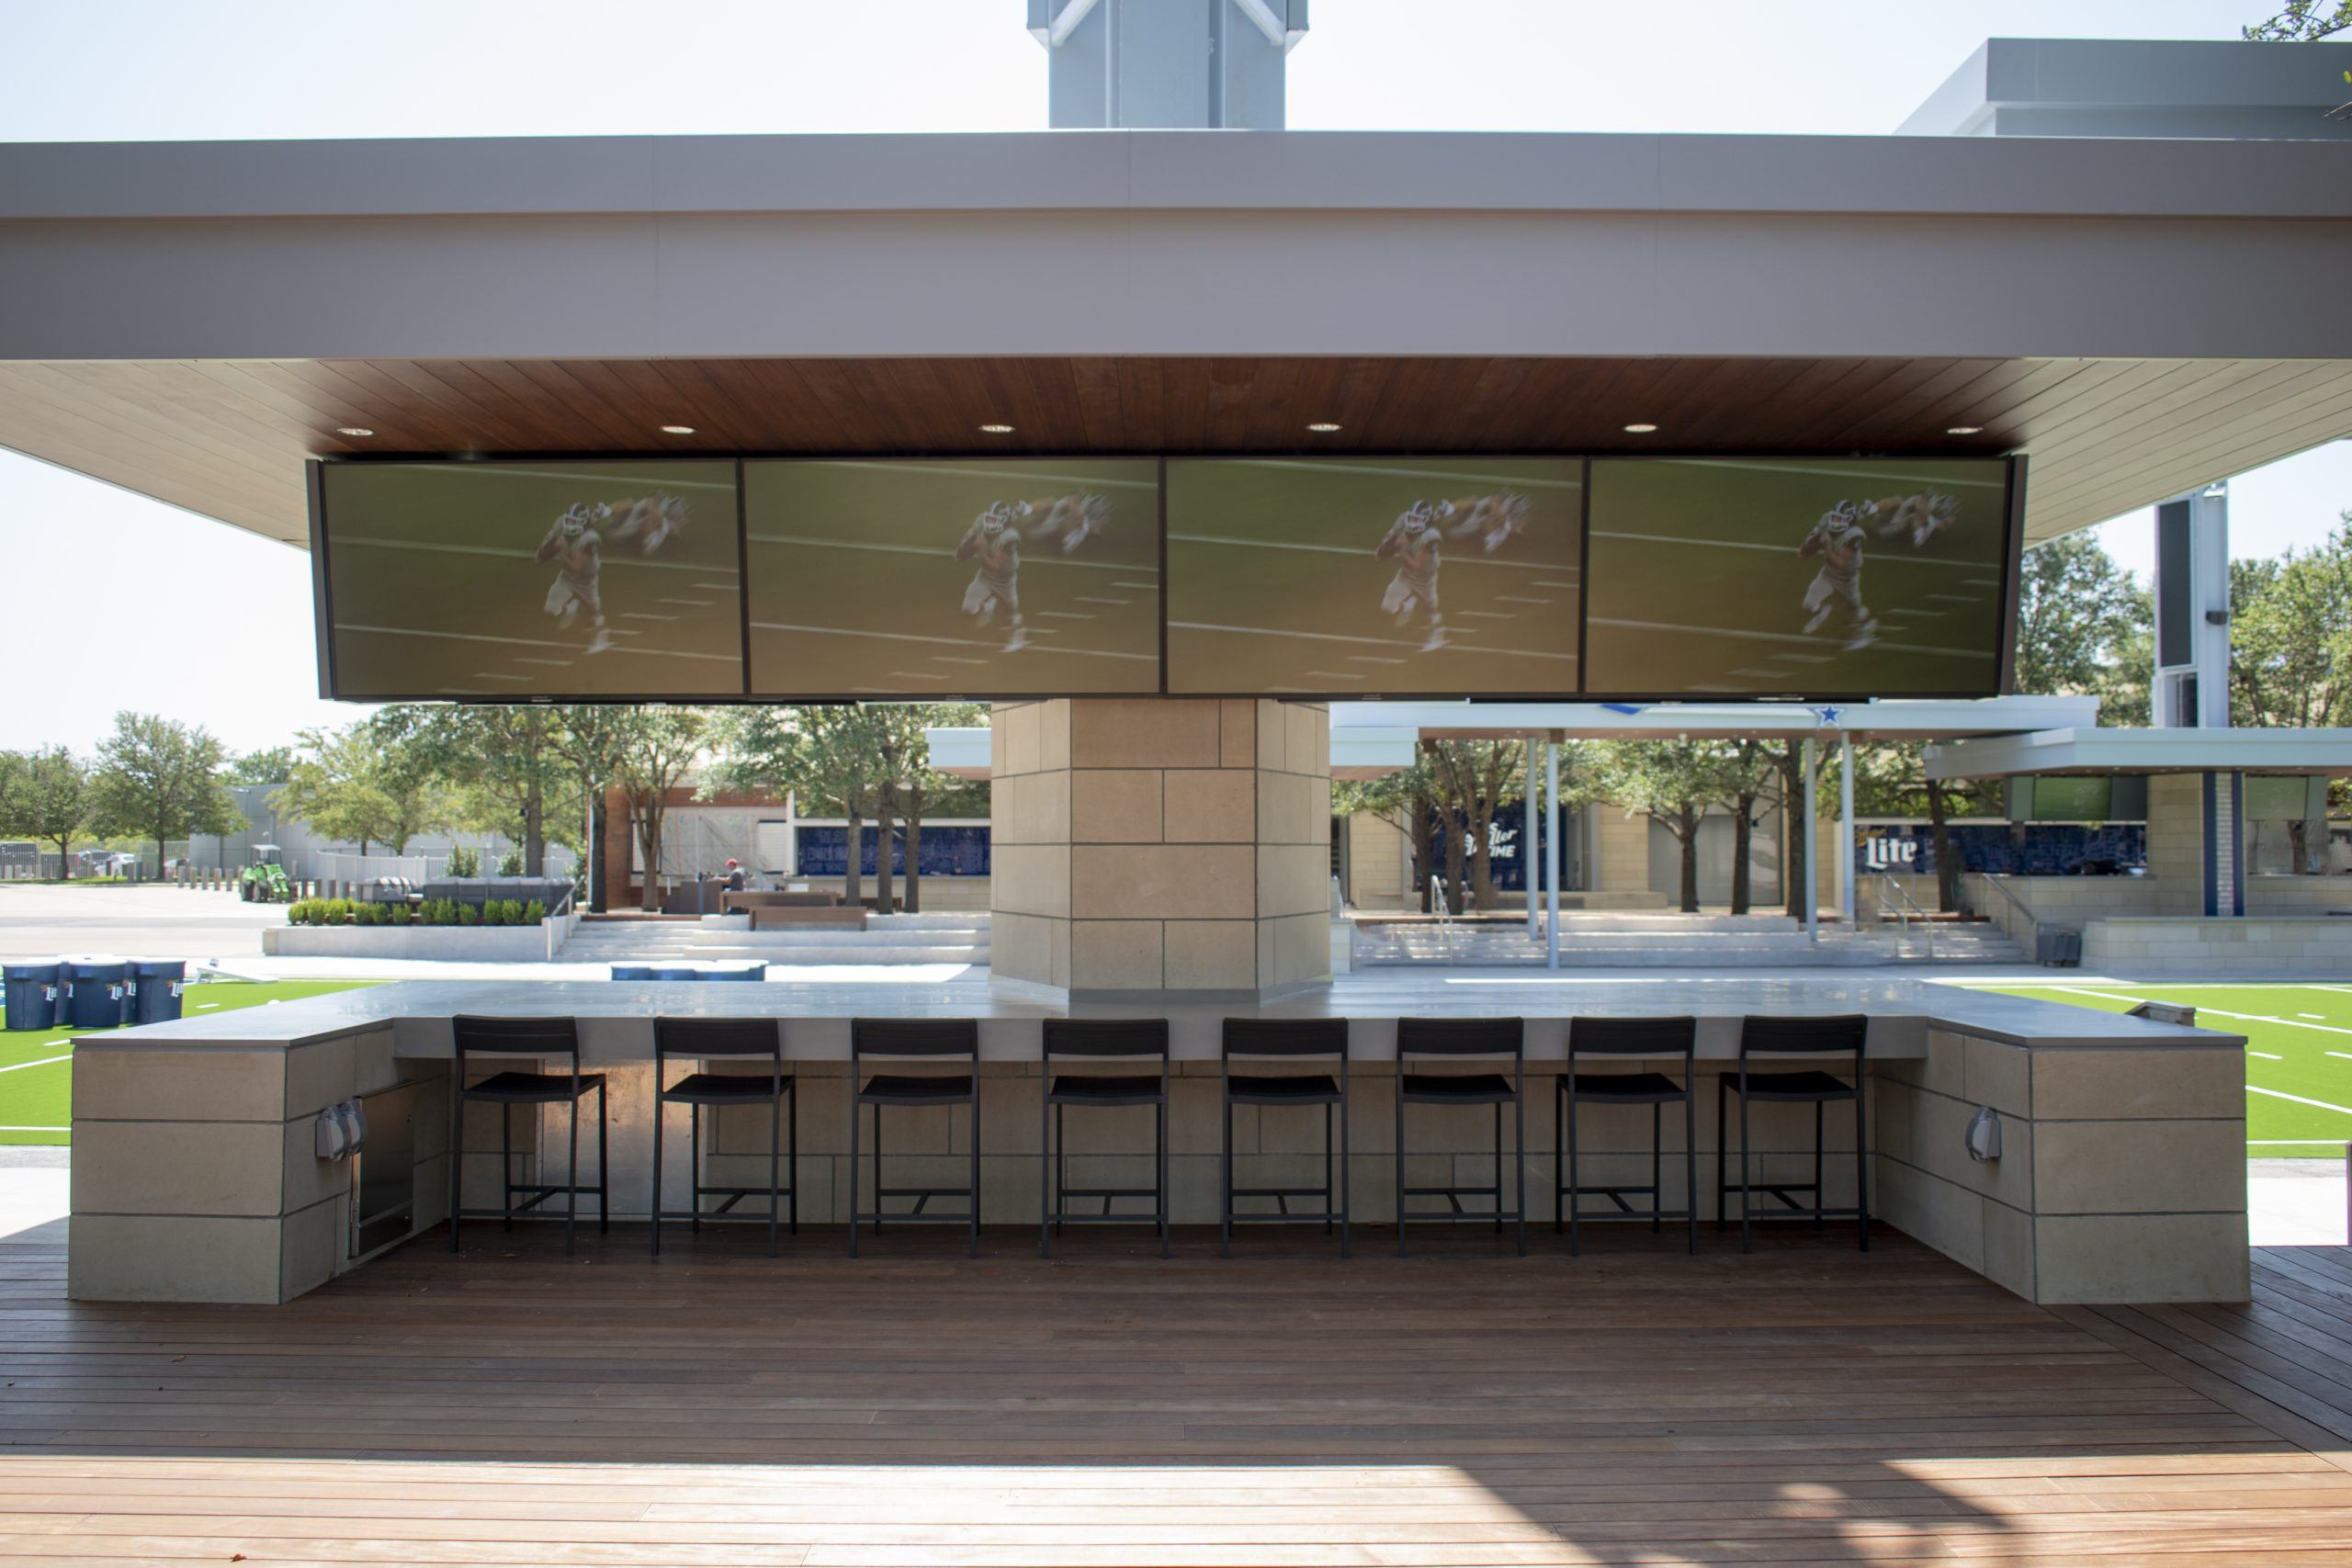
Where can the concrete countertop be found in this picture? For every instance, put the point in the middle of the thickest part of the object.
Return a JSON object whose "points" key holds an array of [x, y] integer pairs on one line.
{"points": [[617, 1015]]}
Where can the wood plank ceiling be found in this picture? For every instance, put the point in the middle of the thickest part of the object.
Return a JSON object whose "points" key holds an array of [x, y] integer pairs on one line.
{"points": [[226, 438]]}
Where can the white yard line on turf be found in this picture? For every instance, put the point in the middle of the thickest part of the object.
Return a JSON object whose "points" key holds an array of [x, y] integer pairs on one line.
{"points": [[44, 1062], [2277, 1094], [2217, 1012]]}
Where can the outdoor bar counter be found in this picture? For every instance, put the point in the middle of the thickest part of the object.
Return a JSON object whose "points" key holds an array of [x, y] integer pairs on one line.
{"points": [[196, 1176]]}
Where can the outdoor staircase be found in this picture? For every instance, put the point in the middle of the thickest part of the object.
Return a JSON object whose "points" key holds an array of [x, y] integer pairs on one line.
{"points": [[1656, 940], [961, 937]]}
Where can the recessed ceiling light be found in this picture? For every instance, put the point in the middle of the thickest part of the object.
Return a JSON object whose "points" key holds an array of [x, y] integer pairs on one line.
{"points": [[677, 430], [1323, 427], [1640, 429], [997, 429], [1965, 430], [353, 430]]}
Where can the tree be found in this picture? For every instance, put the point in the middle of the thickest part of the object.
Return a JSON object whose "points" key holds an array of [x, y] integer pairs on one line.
{"points": [[1401, 799], [910, 784], [1748, 772], [157, 778], [1471, 778], [653, 750], [270, 765], [352, 787], [832, 754], [2290, 635], [511, 759], [51, 798], [2075, 606], [2301, 21], [1670, 782]]}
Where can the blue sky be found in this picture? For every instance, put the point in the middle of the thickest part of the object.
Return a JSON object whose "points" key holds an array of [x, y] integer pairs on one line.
{"points": [[224, 618]]}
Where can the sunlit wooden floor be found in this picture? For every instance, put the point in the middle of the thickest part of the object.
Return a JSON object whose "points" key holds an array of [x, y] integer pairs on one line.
{"points": [[1807, 1405]]}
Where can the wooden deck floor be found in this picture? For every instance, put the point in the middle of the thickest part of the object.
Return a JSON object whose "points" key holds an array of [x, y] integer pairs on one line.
{"points": [[1807, 1405]]}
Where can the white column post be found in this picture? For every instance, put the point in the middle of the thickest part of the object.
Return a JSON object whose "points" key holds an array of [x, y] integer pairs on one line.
{"points": [[1845, 827], [1529, 838], [1812, 846], [1551, 853]]}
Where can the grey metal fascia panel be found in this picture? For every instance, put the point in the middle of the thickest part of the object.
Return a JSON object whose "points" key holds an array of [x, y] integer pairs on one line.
{"points": [[1182, 169], [1959, 105]]}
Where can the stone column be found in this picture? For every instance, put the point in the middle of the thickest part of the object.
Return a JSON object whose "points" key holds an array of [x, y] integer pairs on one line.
{"points": [[1147, 847]]}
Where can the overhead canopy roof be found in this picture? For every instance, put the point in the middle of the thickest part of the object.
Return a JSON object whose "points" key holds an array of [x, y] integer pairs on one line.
{"points": [[192, 320], [2086, 751]]}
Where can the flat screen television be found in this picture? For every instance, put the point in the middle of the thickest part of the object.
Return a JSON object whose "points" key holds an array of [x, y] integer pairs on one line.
{"points": [[559, 579], [1798, 577], [1372, 576], [981, 578]]}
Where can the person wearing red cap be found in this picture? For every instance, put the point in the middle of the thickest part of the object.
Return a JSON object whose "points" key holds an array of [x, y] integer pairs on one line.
{"points": [[734, 877]]}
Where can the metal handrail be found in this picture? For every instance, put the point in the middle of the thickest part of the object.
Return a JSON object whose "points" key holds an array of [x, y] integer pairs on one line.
{"points": [[1443, 911], [2032, 920], [1902, 901]]}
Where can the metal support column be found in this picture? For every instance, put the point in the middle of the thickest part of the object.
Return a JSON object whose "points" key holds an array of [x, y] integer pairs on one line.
{"points": [[1846, 827], [1527, 836], [1551, 853], [1812, 845]]}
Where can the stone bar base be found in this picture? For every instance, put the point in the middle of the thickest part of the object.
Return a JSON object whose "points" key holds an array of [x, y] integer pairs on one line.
{"points": [[2121, 1177], [1152, 848]]}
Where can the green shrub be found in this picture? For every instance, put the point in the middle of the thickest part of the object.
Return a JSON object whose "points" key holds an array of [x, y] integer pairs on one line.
{"points": [[463, 863], [511, 863], [510, 912], [468, 915], [534, 912], [399, 914], [339, 911], [299, 914], [378, 915]]}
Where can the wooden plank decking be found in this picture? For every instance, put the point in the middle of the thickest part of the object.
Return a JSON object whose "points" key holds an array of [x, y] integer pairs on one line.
{"points": [[1807, 1405]]}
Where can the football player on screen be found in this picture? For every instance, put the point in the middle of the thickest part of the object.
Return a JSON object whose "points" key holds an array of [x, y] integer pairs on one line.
{"points": [[1062, 521], [1414, 541], [1838, 539], [576, 545], [1922, 515], [1489, 520]]}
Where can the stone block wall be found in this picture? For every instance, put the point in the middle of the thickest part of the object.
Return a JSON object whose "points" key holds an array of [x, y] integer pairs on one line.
{"points": [[2121, 1178], [1149, 846]]}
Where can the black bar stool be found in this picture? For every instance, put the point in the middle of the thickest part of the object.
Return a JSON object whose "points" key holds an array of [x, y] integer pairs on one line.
{"points": [[1289, 1039], [541, 1037], [1459, 1037], [1839, 1036], [933, 1038], [1097, 1039], [1622, 1037], [714, 1039]]}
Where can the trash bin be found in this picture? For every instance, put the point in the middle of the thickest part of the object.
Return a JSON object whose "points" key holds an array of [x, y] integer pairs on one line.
{"points": [[737, 971], [94, 987], [33, 994], [677, 972], [155, 983], [632, 972], [2059, 950]]}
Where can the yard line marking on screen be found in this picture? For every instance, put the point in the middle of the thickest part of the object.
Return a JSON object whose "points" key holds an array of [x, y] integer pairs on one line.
{"points": [[1779, 549], [1337, 674], [946, 641], [1515, 599], [1959, 598], [1786, 636], [536, 642], [1089, 599], [1875, 476], [1362, 554], [1449, 476], [1544, 582], [1004, 474], [1374, 641], [493, 675], [697, 603], [647, 615], [550, 663], [1068, 614], [1765, 674], [951, 659], [916, 675], [609, 558], [946, 552], [1489, 615], [1375, 658]]}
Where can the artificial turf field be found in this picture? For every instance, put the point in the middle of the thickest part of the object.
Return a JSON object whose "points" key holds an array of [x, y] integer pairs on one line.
{"points": [[36, 1069], [2299, 1052]]}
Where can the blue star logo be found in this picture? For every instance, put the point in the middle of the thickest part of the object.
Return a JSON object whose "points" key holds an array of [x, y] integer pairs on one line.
{"points": [[1829, 717]]}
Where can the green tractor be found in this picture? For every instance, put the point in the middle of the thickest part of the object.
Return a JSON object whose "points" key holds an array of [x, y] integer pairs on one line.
{"points": [[264, 882]]}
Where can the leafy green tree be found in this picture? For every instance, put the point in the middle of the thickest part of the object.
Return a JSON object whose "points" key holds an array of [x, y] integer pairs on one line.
{"points": [[351, 786], [1470, 779], [1401, 799], [832, 754], [271, 764], [1672, 783], [1748, 777], [510, 760], [910, 784], [2290, 635], [2076, 608], [653, 750], [157, 778], [48, 797], [2301, 21]]}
